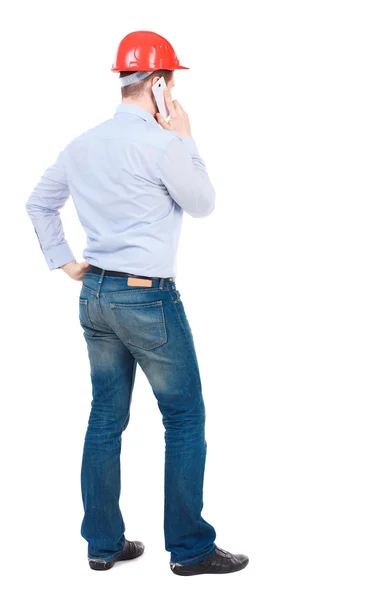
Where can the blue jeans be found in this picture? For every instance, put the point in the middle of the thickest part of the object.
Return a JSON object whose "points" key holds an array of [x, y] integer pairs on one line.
{"points": [[125, 325]]}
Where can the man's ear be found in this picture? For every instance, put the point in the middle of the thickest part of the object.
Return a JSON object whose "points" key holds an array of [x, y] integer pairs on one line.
{"points": [[154, 80]]}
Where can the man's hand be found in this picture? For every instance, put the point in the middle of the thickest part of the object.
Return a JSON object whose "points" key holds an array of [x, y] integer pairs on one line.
{"points": [[75, 270], [179, 121]]}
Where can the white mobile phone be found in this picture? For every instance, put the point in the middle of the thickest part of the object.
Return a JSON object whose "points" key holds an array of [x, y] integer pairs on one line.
{"points": [[158, 89]]}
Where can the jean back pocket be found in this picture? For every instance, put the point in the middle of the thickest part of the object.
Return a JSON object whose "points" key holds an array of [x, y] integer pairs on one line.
{"points": [[142, 325]]}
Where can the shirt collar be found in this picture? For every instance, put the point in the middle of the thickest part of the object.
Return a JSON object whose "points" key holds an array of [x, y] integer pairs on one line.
{"points": [[133, 109]]}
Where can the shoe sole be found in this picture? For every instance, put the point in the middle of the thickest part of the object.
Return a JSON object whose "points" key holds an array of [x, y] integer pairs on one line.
{"points": [[105, 566], [183, 571], [99, 566]]}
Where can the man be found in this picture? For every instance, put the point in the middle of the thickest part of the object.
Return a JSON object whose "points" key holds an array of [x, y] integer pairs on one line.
{"points": [[131, 178]]}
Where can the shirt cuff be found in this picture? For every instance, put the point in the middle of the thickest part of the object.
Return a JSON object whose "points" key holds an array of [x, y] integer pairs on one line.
{"points": [[58, 256], [190, 143]]}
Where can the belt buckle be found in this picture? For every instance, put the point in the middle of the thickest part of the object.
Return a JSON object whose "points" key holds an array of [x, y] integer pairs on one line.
{"points": [[139, 282]]}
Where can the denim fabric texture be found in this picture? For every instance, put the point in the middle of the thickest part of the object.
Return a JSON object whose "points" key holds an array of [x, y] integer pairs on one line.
{"points": [[124, 326]]}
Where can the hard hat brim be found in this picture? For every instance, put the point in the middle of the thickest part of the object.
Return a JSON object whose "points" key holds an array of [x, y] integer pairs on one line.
{"points": [[114, 70]]}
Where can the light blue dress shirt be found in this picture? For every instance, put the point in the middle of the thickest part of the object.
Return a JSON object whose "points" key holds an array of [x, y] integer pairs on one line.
{"points": [[130, 181]]}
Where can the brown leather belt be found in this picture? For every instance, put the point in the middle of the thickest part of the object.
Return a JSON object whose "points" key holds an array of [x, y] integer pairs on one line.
{"points": [[131, 277]]}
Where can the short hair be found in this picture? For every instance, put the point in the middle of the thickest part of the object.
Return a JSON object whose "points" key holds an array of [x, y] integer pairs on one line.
{"points": [[137, 89]]}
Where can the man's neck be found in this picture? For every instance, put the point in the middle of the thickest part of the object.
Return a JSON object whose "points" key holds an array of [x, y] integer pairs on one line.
{"points": [[146, 104]]}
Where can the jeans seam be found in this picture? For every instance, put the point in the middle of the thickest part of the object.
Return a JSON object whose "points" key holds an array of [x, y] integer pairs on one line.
{"points": [[122, 291], [186, 336]]}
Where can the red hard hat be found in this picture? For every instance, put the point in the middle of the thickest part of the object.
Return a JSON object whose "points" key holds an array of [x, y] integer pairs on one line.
{"points": [[145, 51]]}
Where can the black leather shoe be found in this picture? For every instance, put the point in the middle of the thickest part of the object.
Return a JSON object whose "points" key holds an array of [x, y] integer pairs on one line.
{"points": [[131, 550], [220, 561]]}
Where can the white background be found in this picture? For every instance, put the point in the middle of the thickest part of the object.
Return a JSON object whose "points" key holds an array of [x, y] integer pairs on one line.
{"points": [[281, 284]]}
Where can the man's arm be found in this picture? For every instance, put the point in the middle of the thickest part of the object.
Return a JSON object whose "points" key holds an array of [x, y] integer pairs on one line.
{"points": [[184, 174], [49, 195]]}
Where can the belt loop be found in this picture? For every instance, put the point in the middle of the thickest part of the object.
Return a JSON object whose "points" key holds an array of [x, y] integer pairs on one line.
{"points": [[161, 282], [102, 275]]}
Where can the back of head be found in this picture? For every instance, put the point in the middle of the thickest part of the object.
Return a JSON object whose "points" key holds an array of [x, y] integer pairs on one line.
{"points": [[143, 88]]}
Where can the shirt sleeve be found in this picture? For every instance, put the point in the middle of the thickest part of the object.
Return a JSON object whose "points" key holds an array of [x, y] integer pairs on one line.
{"points": [[49, 195], [184, 174]]}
